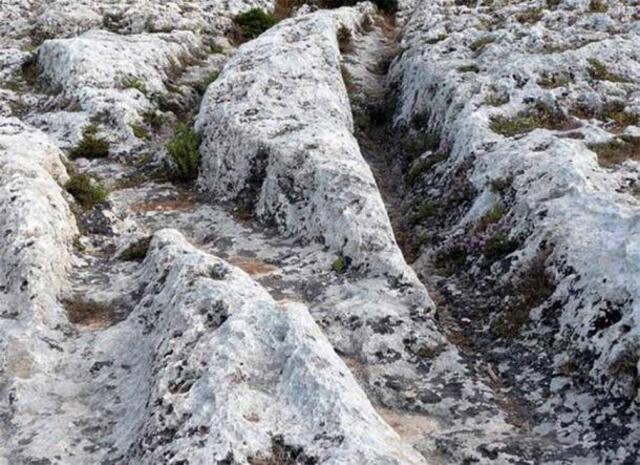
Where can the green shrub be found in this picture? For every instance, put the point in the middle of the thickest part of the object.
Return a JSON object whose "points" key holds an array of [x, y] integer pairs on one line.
{"points": [[254, 22], [426, 210], [183, 149], [136, 251], [499, 246], [339, 265], [135, 83], [90, 146], [86, 192], [599, 71]]}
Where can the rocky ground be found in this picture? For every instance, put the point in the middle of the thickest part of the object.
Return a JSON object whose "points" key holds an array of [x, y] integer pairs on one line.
{"points": [[411, 236]]}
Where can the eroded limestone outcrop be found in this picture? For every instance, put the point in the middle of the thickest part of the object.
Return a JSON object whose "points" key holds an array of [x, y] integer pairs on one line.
{"points": [[277, 131], [524, 107], [267, 314]]}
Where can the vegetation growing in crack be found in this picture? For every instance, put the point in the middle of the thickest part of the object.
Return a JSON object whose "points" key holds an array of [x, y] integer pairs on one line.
{"points": [[617, 150], [135, 83], [90, 146], [339, 265], [204, 83], [598, 6], [140, 132], [87, 192], [183, 150], [479, 44], [541, 116], [154, 119], [532, 287], [254, 22], [599, 72]]}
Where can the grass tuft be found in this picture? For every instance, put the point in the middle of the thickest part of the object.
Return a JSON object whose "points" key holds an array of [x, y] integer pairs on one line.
{"points": [[183, 149], [617, 151], [541, 115], [87, 192], [90, 146]]}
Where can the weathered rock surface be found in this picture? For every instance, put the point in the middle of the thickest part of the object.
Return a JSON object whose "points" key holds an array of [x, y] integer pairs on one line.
{"points": [[114, 78], [124, 342], [575, 74], [277, 131]]}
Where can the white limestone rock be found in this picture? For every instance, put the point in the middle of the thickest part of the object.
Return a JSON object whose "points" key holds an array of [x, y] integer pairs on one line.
{"points": [[451, 84], [114, 77], [37, 229], [207, 368], [277, 136]]}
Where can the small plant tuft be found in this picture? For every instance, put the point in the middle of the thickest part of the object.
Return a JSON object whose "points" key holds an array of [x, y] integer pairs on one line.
{"points": [[598, 6], [254, 22], [339, 265], [154, 119], [87, 192], [90, 146], [183, 149], [481, 43], [140, 132], [530, 16], [135, 83], [599, 72], [541, 115], [617, 150]]}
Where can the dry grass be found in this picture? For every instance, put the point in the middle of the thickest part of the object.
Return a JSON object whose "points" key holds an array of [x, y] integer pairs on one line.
{"points": [[89, 315], [617, 151]]}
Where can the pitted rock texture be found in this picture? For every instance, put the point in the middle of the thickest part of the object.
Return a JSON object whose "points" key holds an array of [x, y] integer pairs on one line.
{"points": [[113, 77], [515, 100], [266, 314], [277, 131]]}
